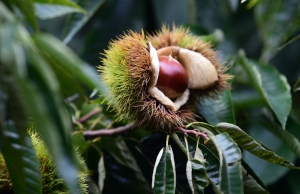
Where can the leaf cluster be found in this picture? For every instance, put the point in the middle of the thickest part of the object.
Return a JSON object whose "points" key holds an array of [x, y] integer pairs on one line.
{"points": [[47, 82]]}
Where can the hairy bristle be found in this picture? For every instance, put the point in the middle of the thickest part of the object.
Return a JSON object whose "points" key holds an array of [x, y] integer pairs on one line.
{"points": [[127, 70]]}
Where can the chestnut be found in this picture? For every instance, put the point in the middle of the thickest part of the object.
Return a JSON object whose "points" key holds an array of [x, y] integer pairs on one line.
{"points": [[172, 78]]}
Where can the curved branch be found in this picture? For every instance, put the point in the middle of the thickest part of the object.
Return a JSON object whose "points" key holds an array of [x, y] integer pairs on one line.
{"points": [[108, 132], [194, 132], [90, 114]]}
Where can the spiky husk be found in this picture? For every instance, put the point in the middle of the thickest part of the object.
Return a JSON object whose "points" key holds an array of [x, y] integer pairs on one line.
{"points": [[5, 181], [51, 182], [182, 37], [126, 70]]}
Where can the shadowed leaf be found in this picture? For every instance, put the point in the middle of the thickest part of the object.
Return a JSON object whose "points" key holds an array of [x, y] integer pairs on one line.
{"points": [[26, 7], [271, 85], [22, 162], [276, 21], [196, 175], [249, 144], [297, 85], [76, 21], [231, 179], [164, 175], [218, 110], [46, 9]]}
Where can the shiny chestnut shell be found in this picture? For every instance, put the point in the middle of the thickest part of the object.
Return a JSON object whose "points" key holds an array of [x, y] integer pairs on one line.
{"points": [[172, 78]]}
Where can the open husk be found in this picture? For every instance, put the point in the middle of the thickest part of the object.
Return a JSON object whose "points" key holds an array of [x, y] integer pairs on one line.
{"points": [[130, 70]]}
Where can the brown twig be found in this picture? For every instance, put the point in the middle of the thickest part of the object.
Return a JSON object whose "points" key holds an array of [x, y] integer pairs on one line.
{"points": [[194, 132], [108, 132], [71, 98], [90, 114]]}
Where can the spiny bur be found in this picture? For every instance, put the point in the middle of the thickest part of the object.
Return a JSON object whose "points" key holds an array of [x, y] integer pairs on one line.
{"points": [[51, 182], [155, 81]]}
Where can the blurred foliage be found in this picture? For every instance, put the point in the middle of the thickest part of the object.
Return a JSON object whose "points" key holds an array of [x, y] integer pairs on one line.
{"points": [[48, 54]]}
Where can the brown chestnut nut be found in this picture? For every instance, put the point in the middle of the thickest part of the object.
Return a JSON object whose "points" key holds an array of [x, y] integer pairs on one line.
{"points": [[172, 78]]}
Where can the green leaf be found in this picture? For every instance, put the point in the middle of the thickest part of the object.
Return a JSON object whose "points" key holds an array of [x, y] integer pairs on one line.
{"points": [[42, 104], [21, 160], [102, 173], [231, 179], [213, 166], [212, 161], [248, 143], [46, 9], [69, 61], [218, 110], [251, 186], [287, 138], [26, 7], [276, 21], [109, 144], [43, 99], [76, 21], [271, 85], [196, 175], [55, 137], [71, 86], [164, 175], [268, 172], [79, 142], [215, 149], [131, 163], [10, 67], [297, 85]]}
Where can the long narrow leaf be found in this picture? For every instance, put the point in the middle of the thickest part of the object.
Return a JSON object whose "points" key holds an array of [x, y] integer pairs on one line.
{"points": [[102, 173], [67, 3], [42, 98], [249, 144], [46, 9], [212, 162], [69, 61], [196, 175], [250, 185], [22, 162], [251, 180], [12, 62], [131, 163], [48, 130], [272, 86], [215, 178], [287, 138], [26, 7], [231, 180], [76, 21], [164, 175]]}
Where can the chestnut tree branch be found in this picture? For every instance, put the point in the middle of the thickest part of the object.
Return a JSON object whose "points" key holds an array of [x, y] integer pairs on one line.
{"points": [[90, 114], [194, 132], [71, 98], [108, 132]]}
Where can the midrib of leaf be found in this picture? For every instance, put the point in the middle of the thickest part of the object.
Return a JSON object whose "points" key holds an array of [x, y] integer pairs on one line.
{"points": [[257, 81]]}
